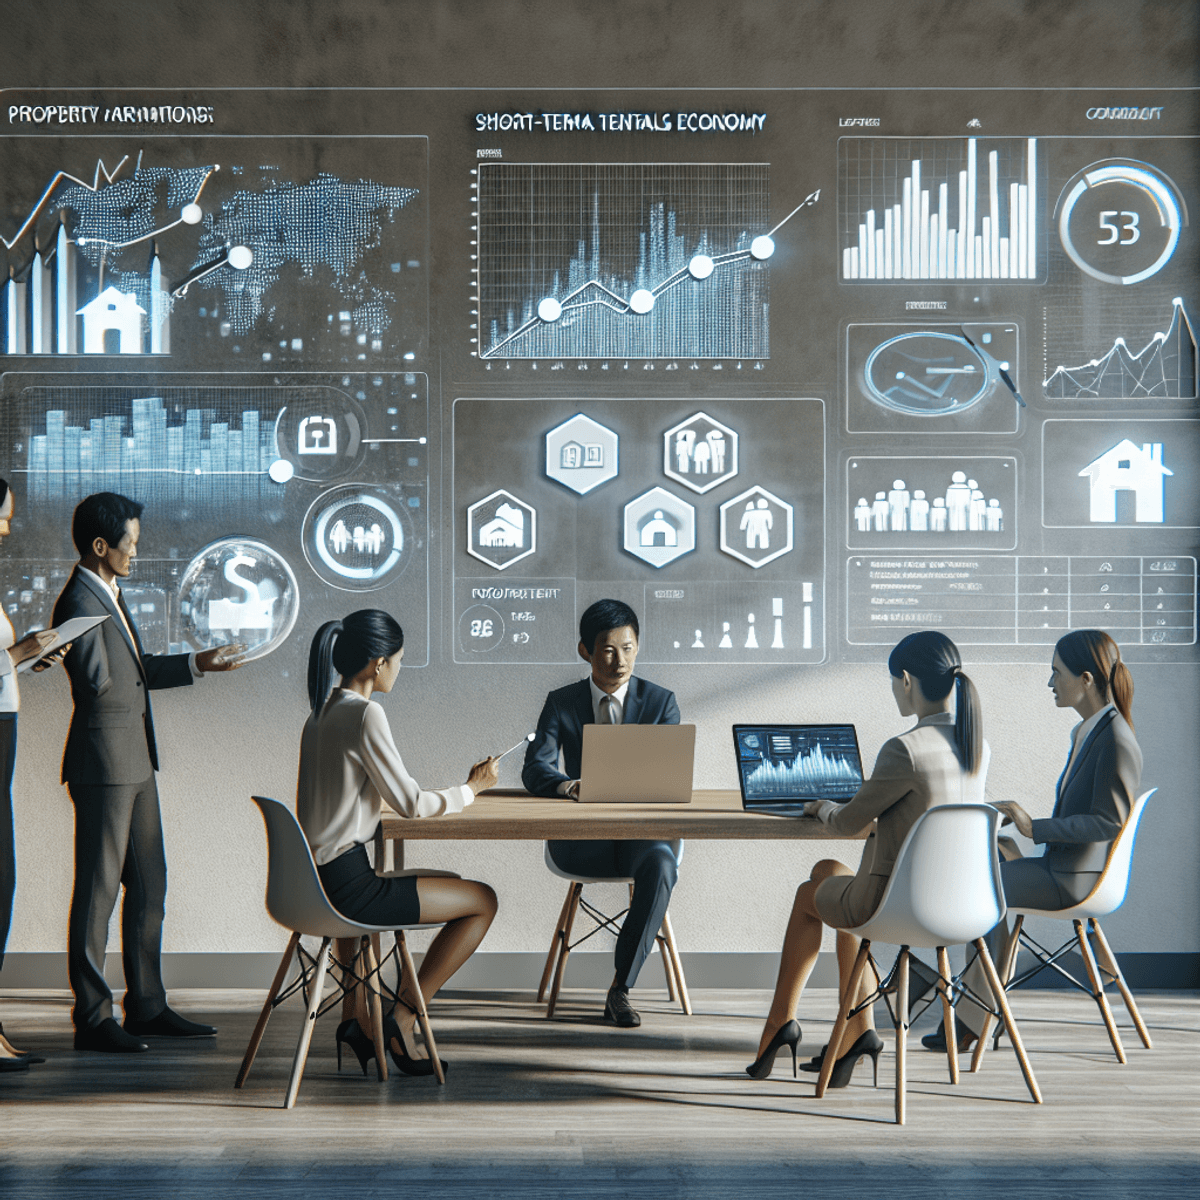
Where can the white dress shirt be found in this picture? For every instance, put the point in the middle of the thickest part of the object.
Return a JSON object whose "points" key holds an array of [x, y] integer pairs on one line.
{"points": [[349, 766], [10, 694]]}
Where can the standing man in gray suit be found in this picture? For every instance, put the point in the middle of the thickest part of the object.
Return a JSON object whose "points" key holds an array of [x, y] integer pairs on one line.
{"points": [[108, 767]]}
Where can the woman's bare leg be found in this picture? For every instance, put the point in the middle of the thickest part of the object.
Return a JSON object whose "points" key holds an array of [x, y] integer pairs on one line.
{"points": [[468, 909], [801, 945], [847, 952]]}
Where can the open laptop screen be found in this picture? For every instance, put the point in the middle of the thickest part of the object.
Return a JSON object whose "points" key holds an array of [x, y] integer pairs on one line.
{"points": [[790, 763]]}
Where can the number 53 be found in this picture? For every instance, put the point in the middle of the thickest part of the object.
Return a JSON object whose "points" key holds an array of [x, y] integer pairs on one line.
{"points": [[1129, 225]]}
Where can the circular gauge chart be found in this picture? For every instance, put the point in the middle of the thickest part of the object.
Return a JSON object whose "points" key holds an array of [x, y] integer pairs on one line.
{"points": [[480, 629], [928, 374], [1119, 220], [357, 537], [238, 590]]}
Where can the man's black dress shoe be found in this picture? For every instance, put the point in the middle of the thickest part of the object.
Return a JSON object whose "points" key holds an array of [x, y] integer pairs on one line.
{"points": [[108, 1037], [619, 1011], [14, 1064], [937, 1041], [170, 1024]]}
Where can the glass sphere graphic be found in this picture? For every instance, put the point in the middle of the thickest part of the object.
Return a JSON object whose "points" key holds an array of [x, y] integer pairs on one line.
{"points": [[238, 590]]}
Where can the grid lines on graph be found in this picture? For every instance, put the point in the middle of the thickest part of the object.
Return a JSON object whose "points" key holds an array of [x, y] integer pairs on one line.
{"points": [[610, 245], [939, 208]]}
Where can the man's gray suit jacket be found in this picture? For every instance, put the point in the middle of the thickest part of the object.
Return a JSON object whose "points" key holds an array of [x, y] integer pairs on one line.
{"points": [[111, 739]]}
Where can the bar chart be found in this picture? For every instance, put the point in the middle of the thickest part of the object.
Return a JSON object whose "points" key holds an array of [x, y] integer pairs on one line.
{"points": [[938, 209]]}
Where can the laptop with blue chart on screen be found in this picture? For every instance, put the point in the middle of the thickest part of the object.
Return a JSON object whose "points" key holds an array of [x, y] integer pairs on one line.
{"points": [[782, 767]]}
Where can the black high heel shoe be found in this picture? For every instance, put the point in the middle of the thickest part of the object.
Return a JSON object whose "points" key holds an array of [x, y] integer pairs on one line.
{"points": [[350, 1033], [789, 1036], [868, 1044], [401, 1057]]}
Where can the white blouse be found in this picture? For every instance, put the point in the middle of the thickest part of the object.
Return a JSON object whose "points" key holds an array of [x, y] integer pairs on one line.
{"points": [[10, 695], [349, 766]]}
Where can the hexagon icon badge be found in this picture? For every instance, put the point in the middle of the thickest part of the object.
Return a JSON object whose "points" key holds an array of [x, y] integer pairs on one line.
{"points": [[659, 527], [700, 453], [581, 454], [756, 527], [501, 530]]}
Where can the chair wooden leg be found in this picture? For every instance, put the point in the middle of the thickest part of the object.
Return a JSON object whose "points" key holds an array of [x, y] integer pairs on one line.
{"points": [[943, 961], [667, 966], [985, 1030], [677, 964], [1098, 995], [263, 1017], [310, 1020], [1114, 969], [555, 942], [374, 1005], [901, 1032], [839, 1026], [1014, 945], [1010, 1025], [410, 970], [564, 947]]}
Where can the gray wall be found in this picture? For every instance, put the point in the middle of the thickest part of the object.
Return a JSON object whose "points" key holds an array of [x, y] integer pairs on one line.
{"points": [[226, 738]]}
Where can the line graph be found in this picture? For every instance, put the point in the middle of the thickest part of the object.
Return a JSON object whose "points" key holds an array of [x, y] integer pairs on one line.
{"points": [[59, 176], [1163, 369], [633, 260], [807, 774]]}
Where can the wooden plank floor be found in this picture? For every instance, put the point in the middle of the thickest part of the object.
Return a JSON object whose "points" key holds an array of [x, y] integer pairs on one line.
{"points": [[570, 1107]]}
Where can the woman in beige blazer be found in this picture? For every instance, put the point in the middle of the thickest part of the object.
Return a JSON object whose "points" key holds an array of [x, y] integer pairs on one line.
{"points": [[942, 760]]}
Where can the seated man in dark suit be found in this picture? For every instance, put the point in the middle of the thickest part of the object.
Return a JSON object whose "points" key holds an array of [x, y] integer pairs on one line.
{"points": [[608, 641]]}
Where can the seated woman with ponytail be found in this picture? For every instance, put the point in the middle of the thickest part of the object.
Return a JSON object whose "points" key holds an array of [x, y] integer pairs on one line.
{"points": [[942, 759], [1093, 799], [350, 768]]}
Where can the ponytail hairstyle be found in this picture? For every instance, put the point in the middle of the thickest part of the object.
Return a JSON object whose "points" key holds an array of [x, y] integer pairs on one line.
{"points": [[934, 661], [342, 648], [3, 491], [1092, 650]]}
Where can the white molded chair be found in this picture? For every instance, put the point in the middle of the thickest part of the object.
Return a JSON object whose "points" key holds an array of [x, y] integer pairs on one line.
{"points": [[561, 944], [296, 899], [945, 889], [1106, 897]]}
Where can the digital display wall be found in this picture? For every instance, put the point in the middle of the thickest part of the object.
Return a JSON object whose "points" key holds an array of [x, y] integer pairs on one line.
{"points": [[793, 373]]}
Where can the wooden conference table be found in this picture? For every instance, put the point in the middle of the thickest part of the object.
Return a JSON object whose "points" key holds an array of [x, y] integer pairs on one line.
{"points": [[714, 814]]}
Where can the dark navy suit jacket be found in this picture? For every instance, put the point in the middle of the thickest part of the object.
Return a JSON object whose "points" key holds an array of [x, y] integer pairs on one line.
{"points": [[1094, 800], [560, 728]]}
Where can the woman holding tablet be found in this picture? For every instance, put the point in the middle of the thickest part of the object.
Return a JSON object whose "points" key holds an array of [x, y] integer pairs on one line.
{"points": [[349, 768], [942, 759], [11, 655]]}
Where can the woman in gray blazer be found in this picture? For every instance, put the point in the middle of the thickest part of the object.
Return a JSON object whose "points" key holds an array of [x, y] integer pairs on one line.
{"points": [[1093, 799], [942, 760]]}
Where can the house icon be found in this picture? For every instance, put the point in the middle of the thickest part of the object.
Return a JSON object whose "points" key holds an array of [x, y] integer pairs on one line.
{"points": [[1133, 468], [113, 310], [506, 528]]}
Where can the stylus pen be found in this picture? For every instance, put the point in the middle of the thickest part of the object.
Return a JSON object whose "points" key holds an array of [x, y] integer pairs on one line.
{"points": [[527, 738]]}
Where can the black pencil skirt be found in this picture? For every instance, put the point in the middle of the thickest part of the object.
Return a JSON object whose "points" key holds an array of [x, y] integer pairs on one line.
{"points": [[357, 892]]}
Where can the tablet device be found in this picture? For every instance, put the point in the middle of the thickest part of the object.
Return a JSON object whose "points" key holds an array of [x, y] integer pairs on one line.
{"points": [[68, 631]]}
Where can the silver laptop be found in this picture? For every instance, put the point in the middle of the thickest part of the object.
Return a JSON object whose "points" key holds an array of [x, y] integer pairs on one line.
{"points": [[782, 767], [637, 764]]}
